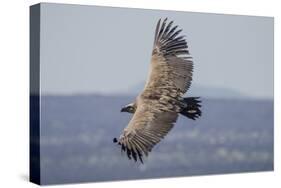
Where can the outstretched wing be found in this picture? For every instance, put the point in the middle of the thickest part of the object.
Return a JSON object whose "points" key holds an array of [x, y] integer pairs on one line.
{"points": [[171, 65], [146, 128]]}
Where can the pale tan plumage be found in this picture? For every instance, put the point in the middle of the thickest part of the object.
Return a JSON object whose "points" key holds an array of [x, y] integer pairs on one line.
{"points": [[160, 102]]}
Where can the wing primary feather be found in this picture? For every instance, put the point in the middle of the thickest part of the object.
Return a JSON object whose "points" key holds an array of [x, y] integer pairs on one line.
{"points": [[179, 38], [136, 146], [142, 142], [167, 29], [146, 142], [137, 151], [154, 141], [175, 34], [178, 52], [151, 135], [140, 145], [140, 157], [162, 29], [176, 47], [151, 141], [176, 43], [134, 155], [171, 31], [157, 31], [134, 150], [129, 154], [123, 147], [128, 144], [147, 146]]}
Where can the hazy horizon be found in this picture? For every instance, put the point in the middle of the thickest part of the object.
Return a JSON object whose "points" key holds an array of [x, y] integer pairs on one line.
{"points": [[194, 90]]}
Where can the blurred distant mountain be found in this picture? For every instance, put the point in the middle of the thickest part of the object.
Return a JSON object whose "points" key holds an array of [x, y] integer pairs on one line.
{"points": [[215, 92], [198, 90]]}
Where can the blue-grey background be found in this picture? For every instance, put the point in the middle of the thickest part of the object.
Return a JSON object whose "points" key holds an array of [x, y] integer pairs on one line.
{"points": [[94, 60]]}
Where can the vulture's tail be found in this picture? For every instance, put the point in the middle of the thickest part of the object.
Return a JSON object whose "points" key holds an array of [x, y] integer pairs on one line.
{"points": [[192, 108]]}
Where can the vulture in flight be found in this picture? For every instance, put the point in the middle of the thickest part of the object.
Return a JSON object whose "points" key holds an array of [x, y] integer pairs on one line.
{"points": [[156, 109]]}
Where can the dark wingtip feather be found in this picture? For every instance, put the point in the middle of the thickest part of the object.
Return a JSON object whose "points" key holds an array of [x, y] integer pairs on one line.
{"points": [[115, 140], [123, 148], [168, 39], [137, 156], [140, 156], [134, 151], [134, 155], [129, 154]]}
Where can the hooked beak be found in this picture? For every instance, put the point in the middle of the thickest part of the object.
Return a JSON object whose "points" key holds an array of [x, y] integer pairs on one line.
{"points": [[124, 109]]}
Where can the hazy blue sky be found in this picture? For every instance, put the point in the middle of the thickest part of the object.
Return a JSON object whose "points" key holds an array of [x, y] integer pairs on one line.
{"points": [[88, 49]]}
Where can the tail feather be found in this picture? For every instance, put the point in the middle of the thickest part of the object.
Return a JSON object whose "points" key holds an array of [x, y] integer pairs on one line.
{"points": [[191, 108]]}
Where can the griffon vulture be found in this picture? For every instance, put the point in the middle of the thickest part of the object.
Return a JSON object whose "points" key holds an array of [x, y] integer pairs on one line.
{"points": [[156, 109]]}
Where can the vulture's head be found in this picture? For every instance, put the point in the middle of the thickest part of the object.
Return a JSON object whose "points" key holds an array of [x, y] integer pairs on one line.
{"points": [[130, 108]]}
